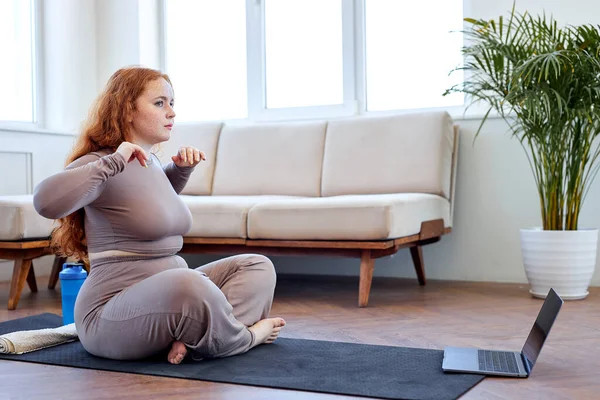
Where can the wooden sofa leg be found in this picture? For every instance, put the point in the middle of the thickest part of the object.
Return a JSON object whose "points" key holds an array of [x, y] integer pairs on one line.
{"points": [[31, 279], [56, 268], [367, 265], [417, 257], [19, 277]]}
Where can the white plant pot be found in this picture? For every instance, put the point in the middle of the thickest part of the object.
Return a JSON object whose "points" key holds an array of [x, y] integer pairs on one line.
{"points": [[563, 260]]}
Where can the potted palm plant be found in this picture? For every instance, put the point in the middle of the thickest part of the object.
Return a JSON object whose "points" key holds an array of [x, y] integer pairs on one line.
{"points": [[544, 81]]}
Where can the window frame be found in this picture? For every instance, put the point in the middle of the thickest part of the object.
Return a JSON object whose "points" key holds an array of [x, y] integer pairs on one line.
{"points": [[255, 39], [354, 68]]}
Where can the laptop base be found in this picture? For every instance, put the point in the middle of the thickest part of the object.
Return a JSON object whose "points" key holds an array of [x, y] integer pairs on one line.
{"points": [[468, 360]]}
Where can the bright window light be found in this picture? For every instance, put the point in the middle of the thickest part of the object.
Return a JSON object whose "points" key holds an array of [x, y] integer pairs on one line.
{"points": [[410, 51], [206, 58], [304, 65], [16, 68]]}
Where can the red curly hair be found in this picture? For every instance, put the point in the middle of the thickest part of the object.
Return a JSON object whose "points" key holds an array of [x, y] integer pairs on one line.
{"points": [[105, 128]]}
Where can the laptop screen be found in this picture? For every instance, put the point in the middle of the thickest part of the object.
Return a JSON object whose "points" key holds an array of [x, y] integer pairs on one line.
{"points": [[541, 328]]}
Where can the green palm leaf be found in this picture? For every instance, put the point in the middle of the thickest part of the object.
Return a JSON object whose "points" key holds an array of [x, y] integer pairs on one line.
{"points": [[544, 80]]}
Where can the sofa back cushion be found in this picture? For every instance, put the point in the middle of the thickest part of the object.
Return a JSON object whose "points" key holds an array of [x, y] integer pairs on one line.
{"points": [[203, 136], [389, 154], [270, 159]]}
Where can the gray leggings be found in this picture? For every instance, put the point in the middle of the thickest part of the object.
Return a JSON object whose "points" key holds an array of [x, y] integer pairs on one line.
{"points": [[134, 308]]}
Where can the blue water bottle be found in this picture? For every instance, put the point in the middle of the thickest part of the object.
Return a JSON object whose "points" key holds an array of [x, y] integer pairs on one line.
{"points": [[71, 278]]}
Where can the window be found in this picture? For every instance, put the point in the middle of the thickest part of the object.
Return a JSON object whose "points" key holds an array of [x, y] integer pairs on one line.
{"points": [[410, 51], [303, 50], [206, 58], [17, 66], [289, 59]]}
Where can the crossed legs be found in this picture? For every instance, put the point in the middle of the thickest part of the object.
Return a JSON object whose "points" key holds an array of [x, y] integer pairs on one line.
{"points": [[217, 310], [248, 283]]}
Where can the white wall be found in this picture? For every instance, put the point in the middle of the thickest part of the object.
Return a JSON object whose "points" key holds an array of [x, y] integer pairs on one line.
{"points": [[495, 193]]}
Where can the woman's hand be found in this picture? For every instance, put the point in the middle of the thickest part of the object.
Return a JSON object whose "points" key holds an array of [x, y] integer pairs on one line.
{"points": [[131, 152], [188, 157]]}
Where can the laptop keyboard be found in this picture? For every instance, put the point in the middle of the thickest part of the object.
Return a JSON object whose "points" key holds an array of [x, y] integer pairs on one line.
{"points": [[497, 361]]}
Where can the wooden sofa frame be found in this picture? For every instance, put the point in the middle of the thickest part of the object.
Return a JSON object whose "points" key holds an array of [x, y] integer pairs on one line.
{"points": [[24, 252], [367, 251]]}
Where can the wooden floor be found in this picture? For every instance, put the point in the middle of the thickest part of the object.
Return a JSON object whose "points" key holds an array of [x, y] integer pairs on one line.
{"points": [[400, 312]]}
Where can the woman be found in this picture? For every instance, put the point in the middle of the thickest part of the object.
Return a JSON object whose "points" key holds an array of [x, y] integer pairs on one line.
{"points": [[119, 210]]}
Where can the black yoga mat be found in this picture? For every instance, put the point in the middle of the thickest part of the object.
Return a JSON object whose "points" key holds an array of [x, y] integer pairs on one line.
{"points": [[310, 365]]}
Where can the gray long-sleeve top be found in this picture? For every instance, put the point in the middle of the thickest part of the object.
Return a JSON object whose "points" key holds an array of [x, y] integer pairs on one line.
{"points": [[127, 207]]}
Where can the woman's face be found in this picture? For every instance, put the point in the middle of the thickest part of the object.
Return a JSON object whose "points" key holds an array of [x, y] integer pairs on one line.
{"points": [[153, 117]]}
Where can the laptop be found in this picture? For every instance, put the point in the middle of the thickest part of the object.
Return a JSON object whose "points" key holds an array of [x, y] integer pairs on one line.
{"points": [[506, 363]]}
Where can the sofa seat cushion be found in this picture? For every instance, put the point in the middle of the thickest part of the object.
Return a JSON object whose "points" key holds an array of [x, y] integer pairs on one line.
{"points": [[222, 216], [347, 217], [19, 220]]}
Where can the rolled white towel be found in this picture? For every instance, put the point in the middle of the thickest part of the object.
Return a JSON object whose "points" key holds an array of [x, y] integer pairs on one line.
{"points": [[25, 341]]}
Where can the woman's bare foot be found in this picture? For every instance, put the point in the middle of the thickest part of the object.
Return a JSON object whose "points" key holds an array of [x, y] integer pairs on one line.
{"points": [[177, 352], [266, 330]]}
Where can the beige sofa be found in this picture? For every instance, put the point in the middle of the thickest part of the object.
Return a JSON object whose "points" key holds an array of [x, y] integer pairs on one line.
{"points": [[356, 187]]}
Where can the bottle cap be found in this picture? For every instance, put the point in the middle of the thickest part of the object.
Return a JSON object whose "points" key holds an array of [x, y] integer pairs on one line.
{"points": [[72, 271]]}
